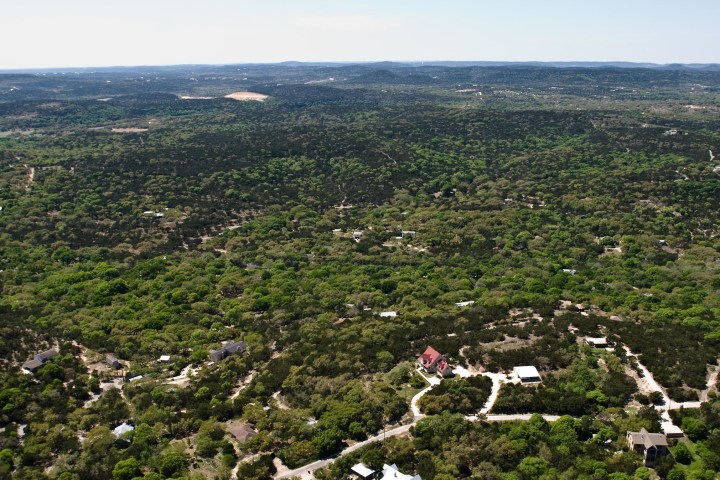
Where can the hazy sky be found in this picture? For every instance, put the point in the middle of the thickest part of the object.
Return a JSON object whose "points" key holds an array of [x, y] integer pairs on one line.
{"points": [[69, 33]]}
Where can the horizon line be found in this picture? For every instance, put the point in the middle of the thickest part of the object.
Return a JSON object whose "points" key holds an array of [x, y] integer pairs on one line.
{"points": [[355, 62]]}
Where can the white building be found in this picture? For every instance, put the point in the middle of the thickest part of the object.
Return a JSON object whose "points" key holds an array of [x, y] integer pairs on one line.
{"points": [[391, 472], [527, 374], [388, 314], [362, 471]]}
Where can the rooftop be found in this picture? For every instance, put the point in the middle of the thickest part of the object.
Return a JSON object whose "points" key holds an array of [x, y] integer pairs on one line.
{"points": [[391, 472], [362, 470], [526, 372]]}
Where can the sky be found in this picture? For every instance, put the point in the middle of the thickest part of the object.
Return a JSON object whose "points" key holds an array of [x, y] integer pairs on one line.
{"points": [[86, 33]]}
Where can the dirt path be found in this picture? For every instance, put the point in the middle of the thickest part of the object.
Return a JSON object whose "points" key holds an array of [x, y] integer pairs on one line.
{"points": [[30, 177], [712, 381], [183, 379], [244, 384]]}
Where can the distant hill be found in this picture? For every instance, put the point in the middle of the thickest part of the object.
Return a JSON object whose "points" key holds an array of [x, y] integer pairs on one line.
{"points": [[385, 64]]}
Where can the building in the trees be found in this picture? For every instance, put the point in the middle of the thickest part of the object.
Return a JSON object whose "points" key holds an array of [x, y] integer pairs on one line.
{"points": [[391, 472], [433, 362], [649, 445], [362, 471], [32, 365], [38, 360], [113, 362], [46, 355], [597, 342], [242, 432], [122, 429], [227, 350], [527, 374]]}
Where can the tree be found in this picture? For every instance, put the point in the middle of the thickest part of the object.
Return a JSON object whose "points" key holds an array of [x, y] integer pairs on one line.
{"points": [[172, 463], [532, 468], [126, 469]]}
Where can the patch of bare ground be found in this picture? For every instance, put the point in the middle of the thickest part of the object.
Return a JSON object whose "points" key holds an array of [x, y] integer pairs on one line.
{"points": [[129, 130], [247, 96], [511, 343], [244, 384], [280, 401]]}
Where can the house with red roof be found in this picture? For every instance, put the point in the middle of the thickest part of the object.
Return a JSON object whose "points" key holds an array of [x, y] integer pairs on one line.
{"points": [[433, 362]]}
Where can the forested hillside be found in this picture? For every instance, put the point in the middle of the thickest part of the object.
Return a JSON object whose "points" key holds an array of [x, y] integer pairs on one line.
{"points": [[143, 214]]}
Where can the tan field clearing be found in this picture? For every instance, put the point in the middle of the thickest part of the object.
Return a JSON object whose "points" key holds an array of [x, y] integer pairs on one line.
{"points": [[244, 96], [129, 130]]}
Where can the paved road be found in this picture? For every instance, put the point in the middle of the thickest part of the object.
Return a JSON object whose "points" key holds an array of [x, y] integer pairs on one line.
{"points": [[311, 467]]}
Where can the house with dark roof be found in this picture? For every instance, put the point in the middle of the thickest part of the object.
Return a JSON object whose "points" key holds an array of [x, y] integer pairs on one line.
{"points": [[649, 445], [227, 350], [38, 360], [32, 365], [46, 355], [433, 362], [242, 432], [113, 362]]}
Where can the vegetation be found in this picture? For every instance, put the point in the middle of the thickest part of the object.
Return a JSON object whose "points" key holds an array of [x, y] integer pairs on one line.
{"points": [[563, 202]]}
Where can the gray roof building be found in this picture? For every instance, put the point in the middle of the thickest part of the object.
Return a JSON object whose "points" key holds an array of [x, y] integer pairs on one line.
{"points": [[650, 445], [227, 350], [46, 355]]}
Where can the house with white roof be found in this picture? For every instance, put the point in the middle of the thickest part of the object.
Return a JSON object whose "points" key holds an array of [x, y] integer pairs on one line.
{"points": [[391, 472], [362, 471], [527, 374], [465, 304], [597, 342]]}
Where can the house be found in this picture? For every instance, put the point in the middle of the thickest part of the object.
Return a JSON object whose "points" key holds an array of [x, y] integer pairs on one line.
{"points": [[357, 235], [242, 432], [649, 445], [569, 271], [362, 471], [527, 374], [433, 362], [46, 355], [391, 472], [597, 342], [465, 304], [122, 429], [32, 366], [388, 314], [113, 362], [227, 350], [38, 360], [164, 358]]}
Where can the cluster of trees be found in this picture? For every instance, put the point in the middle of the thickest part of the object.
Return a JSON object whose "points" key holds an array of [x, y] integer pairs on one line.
{"points": [[462, 395], [581, 389], [446, 447], [518, 204]]}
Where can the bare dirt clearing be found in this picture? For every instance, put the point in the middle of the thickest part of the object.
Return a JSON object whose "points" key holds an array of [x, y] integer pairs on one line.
{"points": [[129, 130], [245, 96]]}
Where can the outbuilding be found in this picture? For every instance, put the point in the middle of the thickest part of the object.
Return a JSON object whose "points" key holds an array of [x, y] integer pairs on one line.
{"points": [[362, 471], [113, 362], [527, 374], [597, 342]]}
